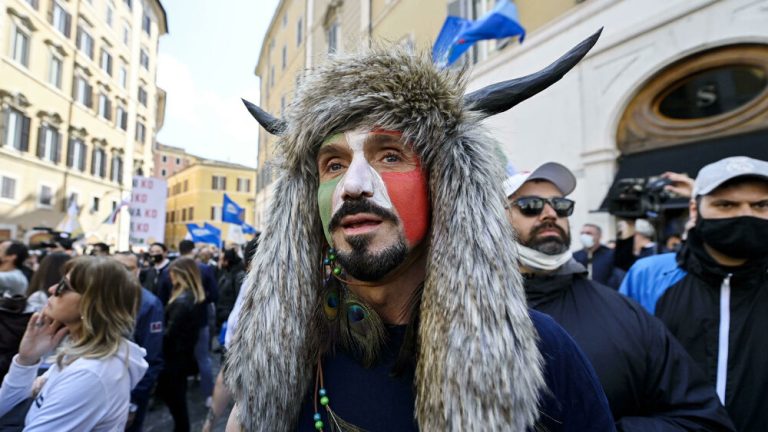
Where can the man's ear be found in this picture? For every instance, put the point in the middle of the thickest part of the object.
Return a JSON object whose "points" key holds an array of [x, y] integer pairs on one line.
{"points": [[693, 212]]}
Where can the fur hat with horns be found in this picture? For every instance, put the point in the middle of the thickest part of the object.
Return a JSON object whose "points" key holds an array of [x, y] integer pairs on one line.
{"points": [[473, 309]]}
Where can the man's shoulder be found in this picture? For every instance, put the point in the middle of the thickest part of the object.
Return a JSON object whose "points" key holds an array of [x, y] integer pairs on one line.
{"points": [[656, 263], [551, 335], [149, 300]]}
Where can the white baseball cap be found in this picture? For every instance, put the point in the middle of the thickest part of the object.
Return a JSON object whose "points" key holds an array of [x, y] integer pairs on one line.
{"points": [[553, 172], [715, 174]]}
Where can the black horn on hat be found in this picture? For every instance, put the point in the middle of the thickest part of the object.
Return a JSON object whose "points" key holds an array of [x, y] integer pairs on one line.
{"points": [[270, 123], [499, 97]]}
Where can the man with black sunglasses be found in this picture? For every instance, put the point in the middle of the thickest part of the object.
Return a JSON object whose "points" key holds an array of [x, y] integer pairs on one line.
{"points": [[650, 380]]}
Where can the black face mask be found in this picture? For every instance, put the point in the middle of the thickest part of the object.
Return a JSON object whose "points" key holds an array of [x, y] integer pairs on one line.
{"points": [[157, 258], [736, 237]]}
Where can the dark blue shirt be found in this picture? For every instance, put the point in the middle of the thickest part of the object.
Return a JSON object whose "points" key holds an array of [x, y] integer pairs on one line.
{"points": [[148, 334], [373, 399]]}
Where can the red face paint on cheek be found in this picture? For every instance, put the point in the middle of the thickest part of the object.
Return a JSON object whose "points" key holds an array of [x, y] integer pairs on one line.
{"points": [[410, 196]]}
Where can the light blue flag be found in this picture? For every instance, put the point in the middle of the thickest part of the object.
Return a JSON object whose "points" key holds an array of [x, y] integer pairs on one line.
{"points": [[204, 234]]}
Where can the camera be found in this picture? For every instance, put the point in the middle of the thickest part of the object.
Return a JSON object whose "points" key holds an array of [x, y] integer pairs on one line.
{"points": [[639, 197]]}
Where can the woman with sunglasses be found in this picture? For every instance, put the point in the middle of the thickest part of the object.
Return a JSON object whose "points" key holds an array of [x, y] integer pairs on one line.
{"points": [[88, 387], [183, 315]]}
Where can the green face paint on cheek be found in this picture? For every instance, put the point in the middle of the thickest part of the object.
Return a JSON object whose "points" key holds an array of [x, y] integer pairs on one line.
{"points": [[325, 203]]}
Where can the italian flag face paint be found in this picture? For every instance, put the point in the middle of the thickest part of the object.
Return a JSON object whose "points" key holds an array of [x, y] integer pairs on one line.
{"points": [[402, 192], [410, 197], [325, 202]]}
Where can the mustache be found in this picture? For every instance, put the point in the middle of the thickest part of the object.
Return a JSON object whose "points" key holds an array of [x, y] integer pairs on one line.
{"points": [[548, 226], [351, 207]]}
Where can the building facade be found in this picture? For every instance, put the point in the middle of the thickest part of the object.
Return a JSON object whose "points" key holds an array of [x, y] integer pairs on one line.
{"points": [[168, 160], [196, 194], [80, 110], [670, 86]]}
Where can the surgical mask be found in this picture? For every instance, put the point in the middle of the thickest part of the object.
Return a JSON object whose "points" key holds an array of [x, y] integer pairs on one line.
{"points": [[157, 258], [736, 237], [587, 240]]}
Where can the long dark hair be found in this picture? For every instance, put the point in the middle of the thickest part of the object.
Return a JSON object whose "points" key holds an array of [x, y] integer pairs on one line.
{"points": [[49, 273]]}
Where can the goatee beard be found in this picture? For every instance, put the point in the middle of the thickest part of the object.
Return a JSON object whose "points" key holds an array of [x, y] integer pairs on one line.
{"points": [[549, 245], [370, 267]]}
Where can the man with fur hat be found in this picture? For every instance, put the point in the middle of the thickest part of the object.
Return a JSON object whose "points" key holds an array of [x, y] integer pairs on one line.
{"points": [[649, 379], [385, 293]]}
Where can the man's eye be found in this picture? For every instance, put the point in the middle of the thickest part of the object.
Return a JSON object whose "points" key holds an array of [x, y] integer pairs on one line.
{"points": [[335, 166], [392, 158], [762, 205]]}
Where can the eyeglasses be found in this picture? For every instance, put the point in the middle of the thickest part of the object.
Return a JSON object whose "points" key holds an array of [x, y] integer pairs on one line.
{"points": [[534, 205], [62, 287]]}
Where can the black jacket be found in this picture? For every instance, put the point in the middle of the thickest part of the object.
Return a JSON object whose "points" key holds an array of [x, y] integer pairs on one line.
{"points": [[150, 278], [651, 383], [691, 309], [230, 281], [182, 318]]}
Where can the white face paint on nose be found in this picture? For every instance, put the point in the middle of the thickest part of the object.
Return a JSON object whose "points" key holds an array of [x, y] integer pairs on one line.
{"points": [[360, 180]]}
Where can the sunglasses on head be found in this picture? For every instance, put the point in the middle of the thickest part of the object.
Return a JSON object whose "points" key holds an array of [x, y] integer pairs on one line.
{"points": [[534, 205], [62, 287]]}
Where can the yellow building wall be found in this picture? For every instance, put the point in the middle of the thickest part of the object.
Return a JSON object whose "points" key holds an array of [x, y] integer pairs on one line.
{"points": [[201, 197], [408, 21], [279, 91]]}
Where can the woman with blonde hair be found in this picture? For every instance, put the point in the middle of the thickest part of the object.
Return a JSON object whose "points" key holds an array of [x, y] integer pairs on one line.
{"points": [[183, 316], [89, 385]]}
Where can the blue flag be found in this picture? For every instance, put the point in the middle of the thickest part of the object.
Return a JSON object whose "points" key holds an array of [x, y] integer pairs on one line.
{"points": [[231, 212], [459, 34], [248, 229], [204, 234]]}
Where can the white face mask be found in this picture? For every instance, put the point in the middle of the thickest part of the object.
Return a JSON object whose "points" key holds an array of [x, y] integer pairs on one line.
{"points": [[587, 240]]}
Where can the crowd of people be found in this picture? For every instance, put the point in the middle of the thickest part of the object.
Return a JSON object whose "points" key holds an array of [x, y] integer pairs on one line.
{"points": [[87, 340]]}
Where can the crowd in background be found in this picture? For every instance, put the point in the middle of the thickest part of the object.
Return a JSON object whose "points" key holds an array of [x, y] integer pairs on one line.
{"points": [[184, 300]]}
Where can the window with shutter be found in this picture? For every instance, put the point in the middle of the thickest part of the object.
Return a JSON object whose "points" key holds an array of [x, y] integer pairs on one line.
{"points": [[81, 165], [21, 47], [54, 71], [25, 124], [41, 142], [56, 147], [7, 188], [45, 198], [60, 19], [16, 132], [71, 153]]}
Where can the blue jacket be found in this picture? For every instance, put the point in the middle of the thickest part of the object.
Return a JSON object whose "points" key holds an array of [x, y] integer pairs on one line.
{"points": [[649, 277], [148, 334]]}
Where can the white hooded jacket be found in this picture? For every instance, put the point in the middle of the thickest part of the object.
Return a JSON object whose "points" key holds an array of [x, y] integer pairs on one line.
{"points": [[88, 394]]}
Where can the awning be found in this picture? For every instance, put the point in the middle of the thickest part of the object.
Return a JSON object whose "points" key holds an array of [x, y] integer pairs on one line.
{"points": [[688, 158]]}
